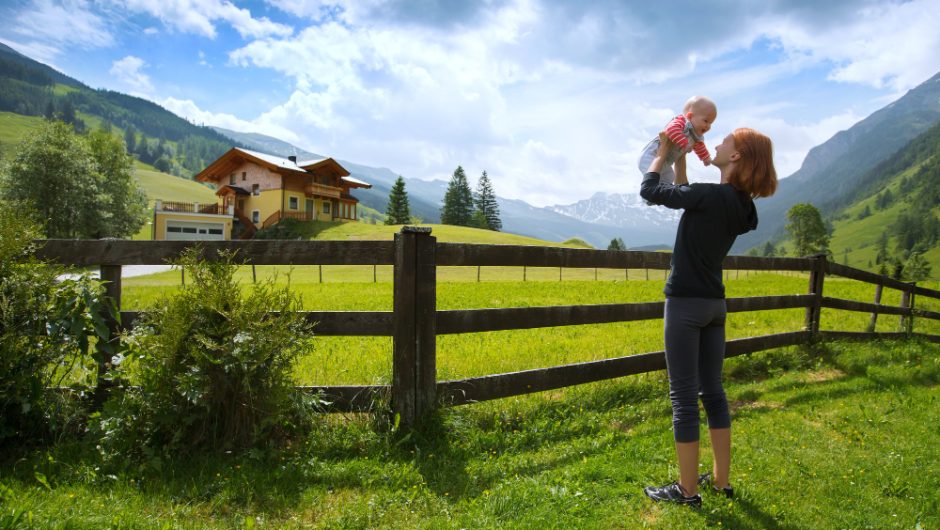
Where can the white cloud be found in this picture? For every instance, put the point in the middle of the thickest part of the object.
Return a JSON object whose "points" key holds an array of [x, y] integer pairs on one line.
{"points": [[127, 72], [45, 27], [555, 99], [200, 16], [190, 111]]}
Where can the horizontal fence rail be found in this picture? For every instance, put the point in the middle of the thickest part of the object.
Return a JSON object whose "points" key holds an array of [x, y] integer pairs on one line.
{"points": [[414, 323]]}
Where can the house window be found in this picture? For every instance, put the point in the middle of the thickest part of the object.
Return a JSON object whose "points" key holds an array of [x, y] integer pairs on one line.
{"points": [[231, 179], [326, 207], [255, 189], [292, 203], [244, 176], [255, 216]]}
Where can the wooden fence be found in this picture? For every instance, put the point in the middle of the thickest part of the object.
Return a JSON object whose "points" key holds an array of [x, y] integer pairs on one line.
{"points": [[415, 321]]}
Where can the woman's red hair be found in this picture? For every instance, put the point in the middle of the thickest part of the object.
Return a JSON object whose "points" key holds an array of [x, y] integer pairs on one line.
{"points": [[754, 172]]}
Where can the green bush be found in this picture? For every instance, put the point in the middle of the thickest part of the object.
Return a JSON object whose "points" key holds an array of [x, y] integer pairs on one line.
{"points": [[214, 368], [47, 327]]}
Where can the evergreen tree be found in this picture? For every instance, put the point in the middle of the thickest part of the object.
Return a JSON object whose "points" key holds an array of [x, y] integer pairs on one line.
{"points": [[398, 212], [130, 139], [881, 255], [616, 244], [769, 250], [916, 268], [458, 201], [487, 209], [49, 114], [807, 229]]}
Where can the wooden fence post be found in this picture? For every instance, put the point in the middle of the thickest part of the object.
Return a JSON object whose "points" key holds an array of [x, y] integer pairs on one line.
{"points": [[874, 316], [817, 276], [906, 322], [414, 363], [110, 276]]}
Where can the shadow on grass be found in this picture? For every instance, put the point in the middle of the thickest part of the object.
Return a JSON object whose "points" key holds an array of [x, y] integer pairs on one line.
{"points": [[752, 517]]}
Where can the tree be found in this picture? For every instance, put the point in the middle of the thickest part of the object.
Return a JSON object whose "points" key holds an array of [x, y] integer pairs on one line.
{"points": [[79, 188], [458, 201], [123, 202], [487, 209], [916, 268], [398, 211], [881, 255], [807, 229], [769, 250], [616, 244], [130, 138]]}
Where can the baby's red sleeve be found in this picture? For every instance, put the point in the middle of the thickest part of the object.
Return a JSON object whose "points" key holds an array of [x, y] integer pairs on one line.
{"points": [[674, 130], [702, 151]]}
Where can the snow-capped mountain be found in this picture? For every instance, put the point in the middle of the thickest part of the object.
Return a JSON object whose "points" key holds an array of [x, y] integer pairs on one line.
{"points": [[621, 210]]}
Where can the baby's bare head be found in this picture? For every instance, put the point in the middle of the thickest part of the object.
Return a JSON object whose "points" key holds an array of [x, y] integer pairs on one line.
{"points": [[699, 105]]}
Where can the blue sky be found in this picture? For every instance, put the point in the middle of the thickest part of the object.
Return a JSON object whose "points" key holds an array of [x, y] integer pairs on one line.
{"points": [[554, 99]]}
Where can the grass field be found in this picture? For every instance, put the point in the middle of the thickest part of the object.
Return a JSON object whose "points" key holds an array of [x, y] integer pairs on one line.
{"points": [[839, 437]]}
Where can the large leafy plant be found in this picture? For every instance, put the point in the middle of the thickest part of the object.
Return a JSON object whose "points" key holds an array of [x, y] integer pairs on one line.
{"points": [[47, 328], [214, 366]]}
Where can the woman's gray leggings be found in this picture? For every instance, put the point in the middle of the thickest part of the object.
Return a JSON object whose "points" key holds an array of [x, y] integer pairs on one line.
{"points": [[695, 351]]}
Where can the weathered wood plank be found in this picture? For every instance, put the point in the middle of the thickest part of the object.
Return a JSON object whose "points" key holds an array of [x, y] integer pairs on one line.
{"points": [[477, 320], [480, 320], [464, 391], [350, 398], [923, 291], [865, 307], [756, 263], [425, 323], [328, 323], [83, 252], [762, 303], [926, 314], [404, 339], [869, 277]]}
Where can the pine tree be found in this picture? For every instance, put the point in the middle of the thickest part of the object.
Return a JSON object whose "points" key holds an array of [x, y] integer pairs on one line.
{"points": [[458, 201], [130, 139], [616, 244], [398, 212], [487, 209]]}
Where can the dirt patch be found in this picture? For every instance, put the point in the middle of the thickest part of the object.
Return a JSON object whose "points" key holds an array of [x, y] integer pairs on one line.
{"points": [[744, 404], [824, 374]]}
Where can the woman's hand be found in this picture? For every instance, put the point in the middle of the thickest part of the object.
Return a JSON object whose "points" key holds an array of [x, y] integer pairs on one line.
{"points": [[656, 166]]}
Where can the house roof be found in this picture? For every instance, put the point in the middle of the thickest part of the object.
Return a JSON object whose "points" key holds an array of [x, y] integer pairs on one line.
{"points": [[235, 156], [356, 183]]}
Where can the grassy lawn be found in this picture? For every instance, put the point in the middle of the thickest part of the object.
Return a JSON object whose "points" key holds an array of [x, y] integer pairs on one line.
{"points": [[843, 436]]}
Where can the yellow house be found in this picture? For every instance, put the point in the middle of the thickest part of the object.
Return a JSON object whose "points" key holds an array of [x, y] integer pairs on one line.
{"points": [[257, 190]]}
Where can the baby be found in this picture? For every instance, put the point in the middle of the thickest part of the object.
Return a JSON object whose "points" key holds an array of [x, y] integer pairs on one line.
{"points": [[687, 132]]}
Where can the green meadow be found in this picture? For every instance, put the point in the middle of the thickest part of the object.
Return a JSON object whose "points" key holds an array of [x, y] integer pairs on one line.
{"points": [[837, 435]]}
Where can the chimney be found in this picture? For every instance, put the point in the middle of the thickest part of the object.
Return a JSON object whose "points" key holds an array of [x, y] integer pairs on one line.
{"points": [[292, 158]]}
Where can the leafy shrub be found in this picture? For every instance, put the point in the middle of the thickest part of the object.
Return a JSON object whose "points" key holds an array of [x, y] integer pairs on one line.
{"points": [[214, 368], [47, 327]]}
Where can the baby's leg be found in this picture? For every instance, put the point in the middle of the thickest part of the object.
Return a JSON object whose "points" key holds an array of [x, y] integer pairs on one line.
{"points": [[667, 175]]}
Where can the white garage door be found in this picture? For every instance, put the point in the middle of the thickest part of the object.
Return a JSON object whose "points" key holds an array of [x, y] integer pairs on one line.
{"points": [[193, 231]]}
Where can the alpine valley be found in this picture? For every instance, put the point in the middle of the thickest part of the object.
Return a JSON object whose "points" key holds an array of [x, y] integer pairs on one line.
{"points": [[894, 149]]}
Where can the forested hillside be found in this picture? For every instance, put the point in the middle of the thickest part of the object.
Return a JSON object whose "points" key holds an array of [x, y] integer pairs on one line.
{"points": [[153, 134]]}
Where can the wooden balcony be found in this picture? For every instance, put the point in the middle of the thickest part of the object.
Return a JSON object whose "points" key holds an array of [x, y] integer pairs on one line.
{"points": [[190, 207], [322, 190]]}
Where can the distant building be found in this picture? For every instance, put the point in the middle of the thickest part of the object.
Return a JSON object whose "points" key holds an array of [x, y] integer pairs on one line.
{"points": [[256, 191]]}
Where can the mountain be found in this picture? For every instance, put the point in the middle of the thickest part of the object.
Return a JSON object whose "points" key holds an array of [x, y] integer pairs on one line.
{"points": [[621, 210], [831, 171], [161, 138]]}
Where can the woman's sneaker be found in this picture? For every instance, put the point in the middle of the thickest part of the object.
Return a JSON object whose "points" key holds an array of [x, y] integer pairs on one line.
{"points": [[705, 479], [672, 493]]}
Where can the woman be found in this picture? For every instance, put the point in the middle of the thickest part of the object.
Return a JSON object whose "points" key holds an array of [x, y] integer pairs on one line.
{"points": [[694, 319]]}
